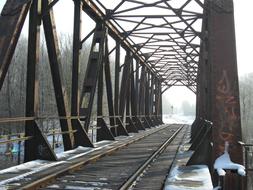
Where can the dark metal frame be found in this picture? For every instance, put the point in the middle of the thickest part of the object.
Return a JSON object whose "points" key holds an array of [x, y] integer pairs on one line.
{"points": [[162, 50]]}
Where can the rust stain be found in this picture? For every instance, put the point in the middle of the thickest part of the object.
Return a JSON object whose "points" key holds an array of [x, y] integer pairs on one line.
{"points": [[226, 104]]}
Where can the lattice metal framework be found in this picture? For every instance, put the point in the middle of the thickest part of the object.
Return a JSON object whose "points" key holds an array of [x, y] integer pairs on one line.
{"points": [[164, 35], [167, 43]]}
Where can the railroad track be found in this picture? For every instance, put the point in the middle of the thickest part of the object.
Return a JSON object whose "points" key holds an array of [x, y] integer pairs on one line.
{"points": [[154, 175], [121, 169], [138, 173]]}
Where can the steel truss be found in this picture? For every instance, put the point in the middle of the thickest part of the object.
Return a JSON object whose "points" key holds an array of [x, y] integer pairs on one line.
{"points": [[136, 103], [167, 43]]}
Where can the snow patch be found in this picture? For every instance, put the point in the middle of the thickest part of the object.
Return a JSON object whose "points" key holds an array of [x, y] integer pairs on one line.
{"points": [[67, 153], [179, 119], [26, 166], [34, 166], [81, 151], [80, 188], [54, 186], [92, 183], [224, 162], [97, 144], [182, 178], [92, 150]]}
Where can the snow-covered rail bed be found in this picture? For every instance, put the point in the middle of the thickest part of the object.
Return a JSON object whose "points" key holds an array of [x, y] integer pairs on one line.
{"points": [[38, 173], [111, 172], [155, 174]]}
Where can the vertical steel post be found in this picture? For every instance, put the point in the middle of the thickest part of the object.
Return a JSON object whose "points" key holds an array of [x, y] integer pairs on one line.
{"points": [[116, 83], [103, 132], [55, 66], [37, 147], [225, 110], [203, 94], [92, 73], [32, 86], [160, 103], [108, 81], [142, 97], [119, 129], [76, 58], [124, 86], [142, 91], [134, 95], [147, 99], [137, 82], [151, 99], [125, 94], [80, 137], [156, 101]]}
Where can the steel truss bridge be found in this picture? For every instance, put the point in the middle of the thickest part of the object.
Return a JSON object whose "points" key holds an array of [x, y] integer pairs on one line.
{"points": [[164, 43]]}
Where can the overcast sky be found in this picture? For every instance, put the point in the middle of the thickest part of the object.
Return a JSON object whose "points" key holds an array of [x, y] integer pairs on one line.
{"points": [[244, 40]]}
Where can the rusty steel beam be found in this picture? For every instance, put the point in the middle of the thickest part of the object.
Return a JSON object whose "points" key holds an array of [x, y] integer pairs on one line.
{"points": [[94, 12], [37, 147], [55, 66], [76, 60], [10, 28], [109, 88], [133, 97], [166, 59], [225, 108], [92, 73], [81, 137], [103, 131], [119, 129]]}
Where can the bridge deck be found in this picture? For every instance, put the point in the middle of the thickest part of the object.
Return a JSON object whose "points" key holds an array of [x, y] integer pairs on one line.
{"points": [[155, 175], [113, 171], [109, 172]]}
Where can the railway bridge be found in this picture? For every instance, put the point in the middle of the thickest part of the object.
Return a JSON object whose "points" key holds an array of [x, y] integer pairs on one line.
{"points": [[138, 50]]}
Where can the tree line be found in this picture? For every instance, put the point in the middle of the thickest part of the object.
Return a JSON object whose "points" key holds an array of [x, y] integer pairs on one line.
{"points": [[246, 102], [13, 93]]}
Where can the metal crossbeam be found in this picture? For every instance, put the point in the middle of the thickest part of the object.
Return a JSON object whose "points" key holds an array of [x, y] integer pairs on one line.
{"points": [[165, 43]]}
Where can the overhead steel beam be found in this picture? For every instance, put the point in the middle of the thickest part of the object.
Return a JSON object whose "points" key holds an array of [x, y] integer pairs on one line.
{"points": [[10, 29]]}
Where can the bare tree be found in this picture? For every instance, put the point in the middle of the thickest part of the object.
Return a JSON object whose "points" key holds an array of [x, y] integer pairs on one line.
{"points": [[246, 95]]}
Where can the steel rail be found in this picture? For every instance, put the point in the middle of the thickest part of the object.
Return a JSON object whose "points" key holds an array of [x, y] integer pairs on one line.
{"points": [[140, 170], [76, 166]]}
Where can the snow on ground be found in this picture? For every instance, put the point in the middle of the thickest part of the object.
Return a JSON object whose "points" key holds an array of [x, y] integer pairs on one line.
{"points": [[81, 151], [29, 168], [24, 170], [195, 177], [178, 118], [69, 152], [71, 187], [182, 177]]}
